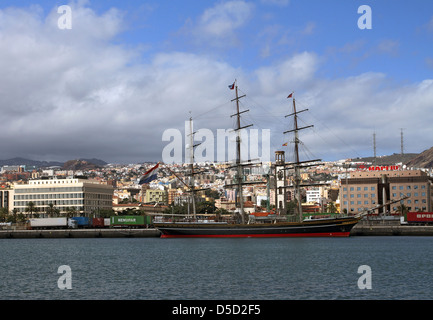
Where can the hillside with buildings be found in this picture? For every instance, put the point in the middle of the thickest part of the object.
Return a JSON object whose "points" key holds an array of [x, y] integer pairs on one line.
{"points": [[423, 160], [348, 185]]}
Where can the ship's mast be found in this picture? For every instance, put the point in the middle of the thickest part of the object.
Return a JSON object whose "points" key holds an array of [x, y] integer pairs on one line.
{"points": [[239, 176], [298, 164], [192, 183], [239, 165], [239, 180], [297, 169]]}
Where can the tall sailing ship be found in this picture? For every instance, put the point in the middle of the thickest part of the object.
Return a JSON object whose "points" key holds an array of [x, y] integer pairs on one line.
{"points": [[280, 226]]}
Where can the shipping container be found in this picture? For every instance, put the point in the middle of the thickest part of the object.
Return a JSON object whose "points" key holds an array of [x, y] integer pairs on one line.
{"points": [[54, 223], [98, 222], [127, 221], [106, 222], [148, 220], [82, 222], [420, 217]]}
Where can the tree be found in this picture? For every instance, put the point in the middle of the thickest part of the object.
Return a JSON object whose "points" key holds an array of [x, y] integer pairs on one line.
{"points": [[52, 211], [292, 206], [212, 194], [331, 208], [4, 212], [106, 213], [71, 212], [31, 208], [205, 207], [402, 210]]}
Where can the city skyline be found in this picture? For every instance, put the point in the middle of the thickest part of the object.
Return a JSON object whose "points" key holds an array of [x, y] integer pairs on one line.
{"points": [[126, 71]]}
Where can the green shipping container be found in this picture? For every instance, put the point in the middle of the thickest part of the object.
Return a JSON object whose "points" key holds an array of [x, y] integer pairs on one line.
{"points": [[127, 220]]}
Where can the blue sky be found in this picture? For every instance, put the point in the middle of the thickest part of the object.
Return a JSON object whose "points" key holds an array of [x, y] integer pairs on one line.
{"points": [[128, 70]]}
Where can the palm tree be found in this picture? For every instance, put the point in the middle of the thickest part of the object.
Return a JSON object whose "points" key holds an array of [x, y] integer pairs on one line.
{"points": [[4, 212], [31, 208], [402, 210], [51, 210]]}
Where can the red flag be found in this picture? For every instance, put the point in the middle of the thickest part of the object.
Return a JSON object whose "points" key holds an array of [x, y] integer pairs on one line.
{"points": [[232, 86], [290, 95]]}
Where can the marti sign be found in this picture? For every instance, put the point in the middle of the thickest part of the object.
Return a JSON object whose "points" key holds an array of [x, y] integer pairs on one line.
{"points": [[378, 168]]}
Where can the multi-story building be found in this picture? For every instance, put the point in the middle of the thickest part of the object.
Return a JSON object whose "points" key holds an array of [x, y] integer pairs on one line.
{"points": [[367, 189], [317, 194], [84, 197], [6, 195], [156, 196]]}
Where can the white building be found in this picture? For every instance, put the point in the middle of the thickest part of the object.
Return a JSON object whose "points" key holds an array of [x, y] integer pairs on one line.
{"points": [[84, 196], [316, 195]]}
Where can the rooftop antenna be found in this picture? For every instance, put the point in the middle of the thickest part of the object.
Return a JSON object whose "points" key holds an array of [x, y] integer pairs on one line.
{"points": [[402, 145]]}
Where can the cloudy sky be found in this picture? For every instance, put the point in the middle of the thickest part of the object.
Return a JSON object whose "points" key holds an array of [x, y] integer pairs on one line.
{"points": [[127, 71]]}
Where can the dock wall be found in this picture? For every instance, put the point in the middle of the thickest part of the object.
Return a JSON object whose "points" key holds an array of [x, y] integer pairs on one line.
{"points": [[358, 230], [391, 230], [80, 233]]}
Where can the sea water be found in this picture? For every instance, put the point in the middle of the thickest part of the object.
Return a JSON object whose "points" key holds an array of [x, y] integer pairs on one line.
{"points": [[227, 269]]}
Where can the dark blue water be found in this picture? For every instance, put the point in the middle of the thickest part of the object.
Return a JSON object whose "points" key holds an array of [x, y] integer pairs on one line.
{"points": [[240, 269]]}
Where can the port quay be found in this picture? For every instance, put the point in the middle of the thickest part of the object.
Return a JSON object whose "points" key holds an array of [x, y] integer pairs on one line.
{"points": [[362, 229], [80, 233]]}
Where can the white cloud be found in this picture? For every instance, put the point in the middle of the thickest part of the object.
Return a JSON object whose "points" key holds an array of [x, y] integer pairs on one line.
{"points": [[288, 74], [74, 93], [217, 25]]}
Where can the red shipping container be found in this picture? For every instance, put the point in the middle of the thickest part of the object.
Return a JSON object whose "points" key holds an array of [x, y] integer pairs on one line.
{"points": [[98, 222], [420, 217]]}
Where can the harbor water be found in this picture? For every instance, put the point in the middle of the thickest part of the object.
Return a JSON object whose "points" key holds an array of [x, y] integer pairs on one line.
{"points": [[228, 269]]}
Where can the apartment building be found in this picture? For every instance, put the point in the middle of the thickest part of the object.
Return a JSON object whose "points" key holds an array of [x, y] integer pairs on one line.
{"points": [[156, 196], [85, 197], [367, 189], [6, 195]]}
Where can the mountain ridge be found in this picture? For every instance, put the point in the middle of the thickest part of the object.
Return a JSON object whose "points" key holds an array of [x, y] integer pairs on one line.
{"points": [[44, 164]]}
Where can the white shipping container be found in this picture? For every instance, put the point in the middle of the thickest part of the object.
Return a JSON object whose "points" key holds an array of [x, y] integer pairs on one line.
{"points": [[106, 222], [48, 222]]}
